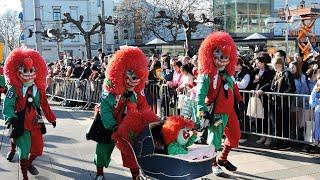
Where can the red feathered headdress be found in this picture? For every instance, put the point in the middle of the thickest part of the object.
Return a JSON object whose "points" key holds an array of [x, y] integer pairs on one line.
{"points": [[127, 58], [172, 126], [215, 40], [27, 57]]}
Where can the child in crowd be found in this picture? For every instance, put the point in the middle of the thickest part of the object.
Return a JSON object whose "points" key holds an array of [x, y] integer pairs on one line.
{"points": [[315, 103]]}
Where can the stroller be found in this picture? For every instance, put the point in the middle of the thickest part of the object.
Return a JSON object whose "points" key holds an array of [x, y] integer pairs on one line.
{"points": [[153, 161]]}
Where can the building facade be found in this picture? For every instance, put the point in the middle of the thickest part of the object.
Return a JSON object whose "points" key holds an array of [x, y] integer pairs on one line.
{"points": [[51, 13], [242, 18]]}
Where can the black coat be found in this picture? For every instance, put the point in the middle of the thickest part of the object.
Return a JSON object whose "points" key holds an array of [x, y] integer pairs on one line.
{"points": [[284, 83], [242, 74], [86, 73], [77, 72], [265, 80]]}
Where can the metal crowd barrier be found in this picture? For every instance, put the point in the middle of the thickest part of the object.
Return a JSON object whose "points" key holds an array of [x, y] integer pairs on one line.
{"points": [[286, 116], [75, 90]]}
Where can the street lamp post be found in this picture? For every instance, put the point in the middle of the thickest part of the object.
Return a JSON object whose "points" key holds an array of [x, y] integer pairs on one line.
{"points": [[103, 41], [37, 23], [103, 21], [287, 26]]}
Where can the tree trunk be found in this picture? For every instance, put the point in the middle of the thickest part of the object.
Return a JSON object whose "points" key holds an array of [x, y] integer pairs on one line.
{"points": [[188, 39], [88, 45], [58, 49]]}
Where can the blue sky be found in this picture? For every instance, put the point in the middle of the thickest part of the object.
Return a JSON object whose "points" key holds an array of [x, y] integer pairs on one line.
{"points": [[10, 4]]}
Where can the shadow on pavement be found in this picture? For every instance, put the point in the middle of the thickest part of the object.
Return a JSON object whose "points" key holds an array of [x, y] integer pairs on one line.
{"points": [[76, 115], [278, 155], [78, 173], [50, 145], [41, 178], [3, 170], [248, 176], [116, 176], [67, 157], [60, 139], [68, 171]]}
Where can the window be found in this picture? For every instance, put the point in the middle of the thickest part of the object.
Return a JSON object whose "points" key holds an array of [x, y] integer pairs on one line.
{"points": [[99, 3], [116, 35], [74, 12], [125, 34], [56, 13]]}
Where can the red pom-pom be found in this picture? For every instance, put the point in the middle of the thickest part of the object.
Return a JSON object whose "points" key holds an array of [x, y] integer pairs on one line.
{"points": [[28, 63]]}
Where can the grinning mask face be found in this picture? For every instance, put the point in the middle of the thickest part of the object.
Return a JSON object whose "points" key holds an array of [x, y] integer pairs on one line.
{"points": [[27, 72], [131, 80], [183, 136], [221, 58]]}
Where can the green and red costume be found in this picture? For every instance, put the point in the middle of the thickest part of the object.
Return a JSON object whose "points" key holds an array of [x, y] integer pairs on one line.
{"points": [[119, 106], [113, 110], [25, 72], [31, 142], [217, 61], [224, 108]]}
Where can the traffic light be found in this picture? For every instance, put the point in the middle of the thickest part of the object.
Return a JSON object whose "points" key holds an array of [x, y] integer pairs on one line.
{"points": [[49, 33], [30, 33]]}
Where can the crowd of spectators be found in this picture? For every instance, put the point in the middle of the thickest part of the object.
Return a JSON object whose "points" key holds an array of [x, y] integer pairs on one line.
{"points": [[284, 116], [262, 72], [75, 68]]}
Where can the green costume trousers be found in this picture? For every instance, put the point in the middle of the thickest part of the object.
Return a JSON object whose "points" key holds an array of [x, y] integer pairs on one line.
{"points": [[103, 154], [215, 133], [24, 145]]}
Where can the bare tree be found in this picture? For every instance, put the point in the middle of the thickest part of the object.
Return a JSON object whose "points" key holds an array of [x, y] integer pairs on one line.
{"points": [[132, 15], [163, 28], [94, 29], [9, 28]]}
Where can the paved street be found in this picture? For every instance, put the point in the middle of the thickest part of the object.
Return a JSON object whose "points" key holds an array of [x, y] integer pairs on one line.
{"points": [[67, 155]]}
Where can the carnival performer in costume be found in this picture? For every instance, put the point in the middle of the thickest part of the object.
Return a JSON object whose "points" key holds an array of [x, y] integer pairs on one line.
{"points": [[122, 94], [217, 89], [25, 72], [178, 137]]}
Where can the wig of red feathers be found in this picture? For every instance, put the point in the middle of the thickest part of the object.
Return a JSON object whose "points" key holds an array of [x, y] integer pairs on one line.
{"points": [[171, 127], [223, 41], [127, 58], [132, 125], [26, 57]]}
